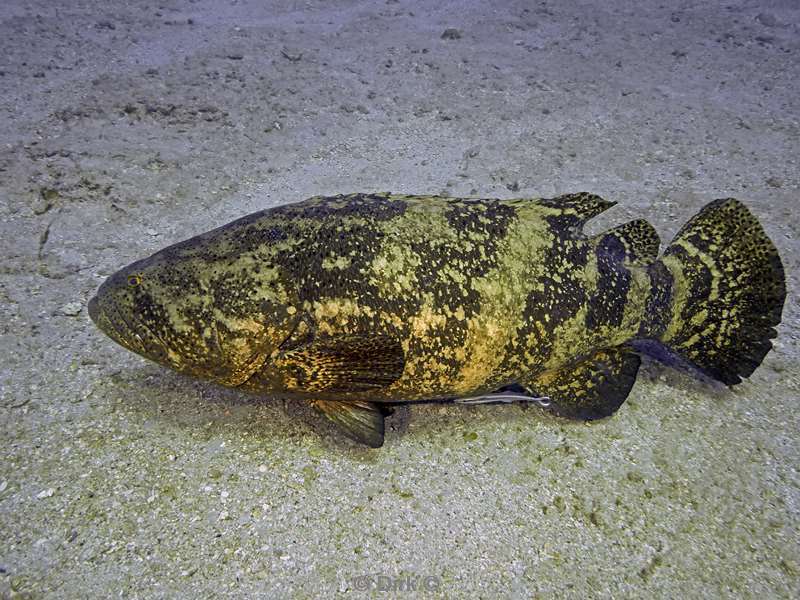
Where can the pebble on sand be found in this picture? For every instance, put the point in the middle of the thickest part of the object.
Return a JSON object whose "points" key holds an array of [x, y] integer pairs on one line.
{"points": [[72, 309]]}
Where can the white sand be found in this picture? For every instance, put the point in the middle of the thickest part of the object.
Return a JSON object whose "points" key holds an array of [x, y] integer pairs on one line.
{"points": [[126, 128]]}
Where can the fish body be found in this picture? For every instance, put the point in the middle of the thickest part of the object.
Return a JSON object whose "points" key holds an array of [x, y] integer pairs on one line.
{"points": [[358, 301]]}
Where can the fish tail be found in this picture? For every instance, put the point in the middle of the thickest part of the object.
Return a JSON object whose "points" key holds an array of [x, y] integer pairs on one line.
{"points": [[717, 292]]}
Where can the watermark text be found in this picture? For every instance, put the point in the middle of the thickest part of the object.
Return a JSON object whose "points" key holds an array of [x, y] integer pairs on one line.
{"points": [[396, 583]]}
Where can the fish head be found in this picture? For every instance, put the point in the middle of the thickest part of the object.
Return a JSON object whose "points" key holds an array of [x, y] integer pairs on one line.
{"points": [[199, 312]]}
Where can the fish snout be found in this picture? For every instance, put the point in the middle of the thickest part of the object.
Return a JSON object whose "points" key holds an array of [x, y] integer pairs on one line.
{"points": [[94, 310], [100, 317]]}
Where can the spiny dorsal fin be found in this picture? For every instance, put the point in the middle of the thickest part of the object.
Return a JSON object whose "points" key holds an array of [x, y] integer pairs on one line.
{"points": [[582, 206], [593, 388], [358, 420], [632, 242]]}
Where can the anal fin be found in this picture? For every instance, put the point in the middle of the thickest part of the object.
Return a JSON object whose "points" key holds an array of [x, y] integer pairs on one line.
{"points": [[358, 420], [593, 388]]}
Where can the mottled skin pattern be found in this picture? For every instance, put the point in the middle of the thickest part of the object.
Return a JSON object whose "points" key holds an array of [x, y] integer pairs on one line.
{"points": [[388, 298], [478, 293]]}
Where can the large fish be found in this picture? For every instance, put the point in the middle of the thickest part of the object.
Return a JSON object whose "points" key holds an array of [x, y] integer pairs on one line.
{"points": [[354, 302]]}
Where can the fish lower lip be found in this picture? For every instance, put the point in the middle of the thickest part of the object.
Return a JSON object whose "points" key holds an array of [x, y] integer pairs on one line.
{"points": [[101, 320], [94, 309]]}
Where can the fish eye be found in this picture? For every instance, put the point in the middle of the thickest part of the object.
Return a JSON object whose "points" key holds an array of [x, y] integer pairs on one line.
{"points": [[134, 280]]}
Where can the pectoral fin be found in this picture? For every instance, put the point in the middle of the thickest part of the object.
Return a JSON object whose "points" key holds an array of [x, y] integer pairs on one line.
{"points": [[593, 388], [351, 363], [360, 421]]}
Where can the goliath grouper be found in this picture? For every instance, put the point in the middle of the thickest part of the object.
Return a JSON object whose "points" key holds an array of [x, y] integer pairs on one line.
{"points": [[355, 302]]}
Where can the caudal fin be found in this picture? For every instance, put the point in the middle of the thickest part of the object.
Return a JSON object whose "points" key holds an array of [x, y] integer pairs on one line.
{"points": [[718, 292]]}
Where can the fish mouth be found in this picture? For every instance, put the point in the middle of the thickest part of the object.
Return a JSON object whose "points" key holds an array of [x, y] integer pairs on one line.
{"points": [[98, 316], [116, 329], [95, 311], [135, 337]]}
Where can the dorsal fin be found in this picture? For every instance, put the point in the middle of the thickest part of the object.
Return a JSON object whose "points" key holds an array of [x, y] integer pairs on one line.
{"points": [[634, 242], [582, 206]]}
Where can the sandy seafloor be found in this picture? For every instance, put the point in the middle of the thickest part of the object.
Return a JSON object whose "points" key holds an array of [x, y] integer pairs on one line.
{"points": [[126, 126]]}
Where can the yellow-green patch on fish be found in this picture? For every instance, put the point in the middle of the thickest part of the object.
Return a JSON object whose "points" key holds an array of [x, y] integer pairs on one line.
{"points": [[355, 302]]}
